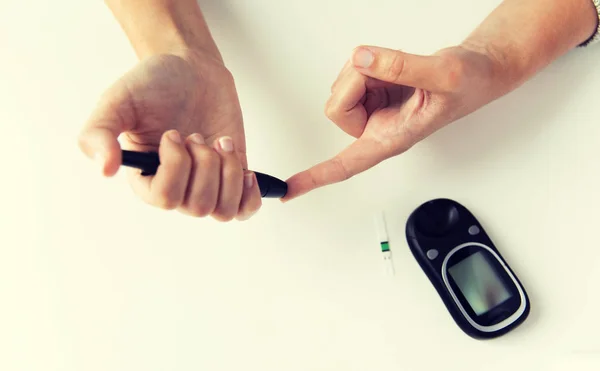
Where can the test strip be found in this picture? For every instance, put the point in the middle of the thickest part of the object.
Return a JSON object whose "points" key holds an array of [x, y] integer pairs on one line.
{"points": [[384, 243]]}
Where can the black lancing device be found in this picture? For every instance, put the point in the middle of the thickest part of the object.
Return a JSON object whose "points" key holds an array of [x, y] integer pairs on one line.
{"points": [[148, 163], [479, 289]]}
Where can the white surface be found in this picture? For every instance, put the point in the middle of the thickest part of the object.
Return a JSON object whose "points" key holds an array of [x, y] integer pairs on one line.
{"points": [[380, 227], [92, 279]]}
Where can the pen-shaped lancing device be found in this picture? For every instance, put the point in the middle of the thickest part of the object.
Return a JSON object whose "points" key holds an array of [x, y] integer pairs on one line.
{"points": [[384, 243], [148, 163]]}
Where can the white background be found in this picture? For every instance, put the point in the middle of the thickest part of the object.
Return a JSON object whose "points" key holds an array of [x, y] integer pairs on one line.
{"points": [[93, 279]]}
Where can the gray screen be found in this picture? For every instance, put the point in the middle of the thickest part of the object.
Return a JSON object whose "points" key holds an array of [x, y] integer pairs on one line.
{"points": [[479, 283]]}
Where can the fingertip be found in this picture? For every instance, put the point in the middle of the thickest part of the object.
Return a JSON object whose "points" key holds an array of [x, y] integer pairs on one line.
{"points": [[101, 147], [109, 162], [196, 139], [363, 57], [298, 185], [172, 150], [172, 136], [224, 144]]}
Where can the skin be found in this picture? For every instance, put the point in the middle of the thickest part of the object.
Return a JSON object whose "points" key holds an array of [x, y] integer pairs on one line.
{"points": [[388, 100], [180, 100]]}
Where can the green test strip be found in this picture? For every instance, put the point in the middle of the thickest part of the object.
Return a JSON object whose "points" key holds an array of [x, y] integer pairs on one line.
{"points": [[385, 246]]}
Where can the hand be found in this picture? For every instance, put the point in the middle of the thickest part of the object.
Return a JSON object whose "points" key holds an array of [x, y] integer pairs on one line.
{"points": [[186, 107], [390, 100]]}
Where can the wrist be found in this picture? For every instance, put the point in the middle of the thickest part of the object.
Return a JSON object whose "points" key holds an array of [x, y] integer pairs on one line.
{"points": [[503, 72], [496, 72], [522, 38], [164, 27]]}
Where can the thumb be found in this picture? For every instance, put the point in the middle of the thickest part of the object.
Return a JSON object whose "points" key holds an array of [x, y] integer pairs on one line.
{"points": [[396, 67], [361, 155], [99, 138]]}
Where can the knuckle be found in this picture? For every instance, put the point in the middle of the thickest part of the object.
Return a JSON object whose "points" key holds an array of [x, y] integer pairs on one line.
{"points": [[83, 143], [246, 215], [200, 210], [397, 67], [228, 77], [206, 158], [224, 215], [179, 159], [233, 171], [331, 110], [212, 159], [201, 202], [253, 205], [165, 203], [166, 199], [340, 170], [254, 208]]}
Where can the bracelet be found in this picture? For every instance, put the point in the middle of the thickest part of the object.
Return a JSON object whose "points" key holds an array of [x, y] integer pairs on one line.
{"points": [[596, 36]]}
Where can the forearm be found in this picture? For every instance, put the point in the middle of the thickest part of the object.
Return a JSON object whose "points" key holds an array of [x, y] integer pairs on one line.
{"points": [[163, 26], [524, 36]]}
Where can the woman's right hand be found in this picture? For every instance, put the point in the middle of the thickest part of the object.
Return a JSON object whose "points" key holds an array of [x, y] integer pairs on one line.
{"points": [[185, 106]]}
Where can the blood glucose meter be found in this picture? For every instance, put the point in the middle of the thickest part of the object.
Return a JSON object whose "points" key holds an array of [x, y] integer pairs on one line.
{"points": [[482, 293]]}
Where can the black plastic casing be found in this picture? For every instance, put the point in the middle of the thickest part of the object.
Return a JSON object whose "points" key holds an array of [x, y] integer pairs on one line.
{"points": [[443, 225]]}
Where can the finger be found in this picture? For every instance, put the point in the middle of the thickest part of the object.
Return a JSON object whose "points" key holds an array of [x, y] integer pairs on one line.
{"points": [[203, 186], [344, 71], [344, 107], [251, 200], [167, 188], [376, 99], [112, 116], [393, 66], [361, 155], [231, 184]]}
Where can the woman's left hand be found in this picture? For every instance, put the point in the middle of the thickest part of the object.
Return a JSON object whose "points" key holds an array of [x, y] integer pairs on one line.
{"points": [[389, 100]]}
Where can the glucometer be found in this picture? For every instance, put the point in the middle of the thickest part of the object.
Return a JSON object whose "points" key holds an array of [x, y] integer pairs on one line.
{"points": [[482, 293], [148, 163]]}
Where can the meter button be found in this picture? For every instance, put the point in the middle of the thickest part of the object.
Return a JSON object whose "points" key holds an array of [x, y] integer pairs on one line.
{"points": [[432, 254], [473, 230]]}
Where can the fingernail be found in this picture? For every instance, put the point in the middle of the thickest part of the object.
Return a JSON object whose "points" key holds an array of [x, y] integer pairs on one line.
{"points": [[174, 136], [226, 144], [197, 138], [248, 180], [363, 58]]}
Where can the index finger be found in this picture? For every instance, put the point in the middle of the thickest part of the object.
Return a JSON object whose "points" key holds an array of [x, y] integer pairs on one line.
{"points": [[361, 155]]}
